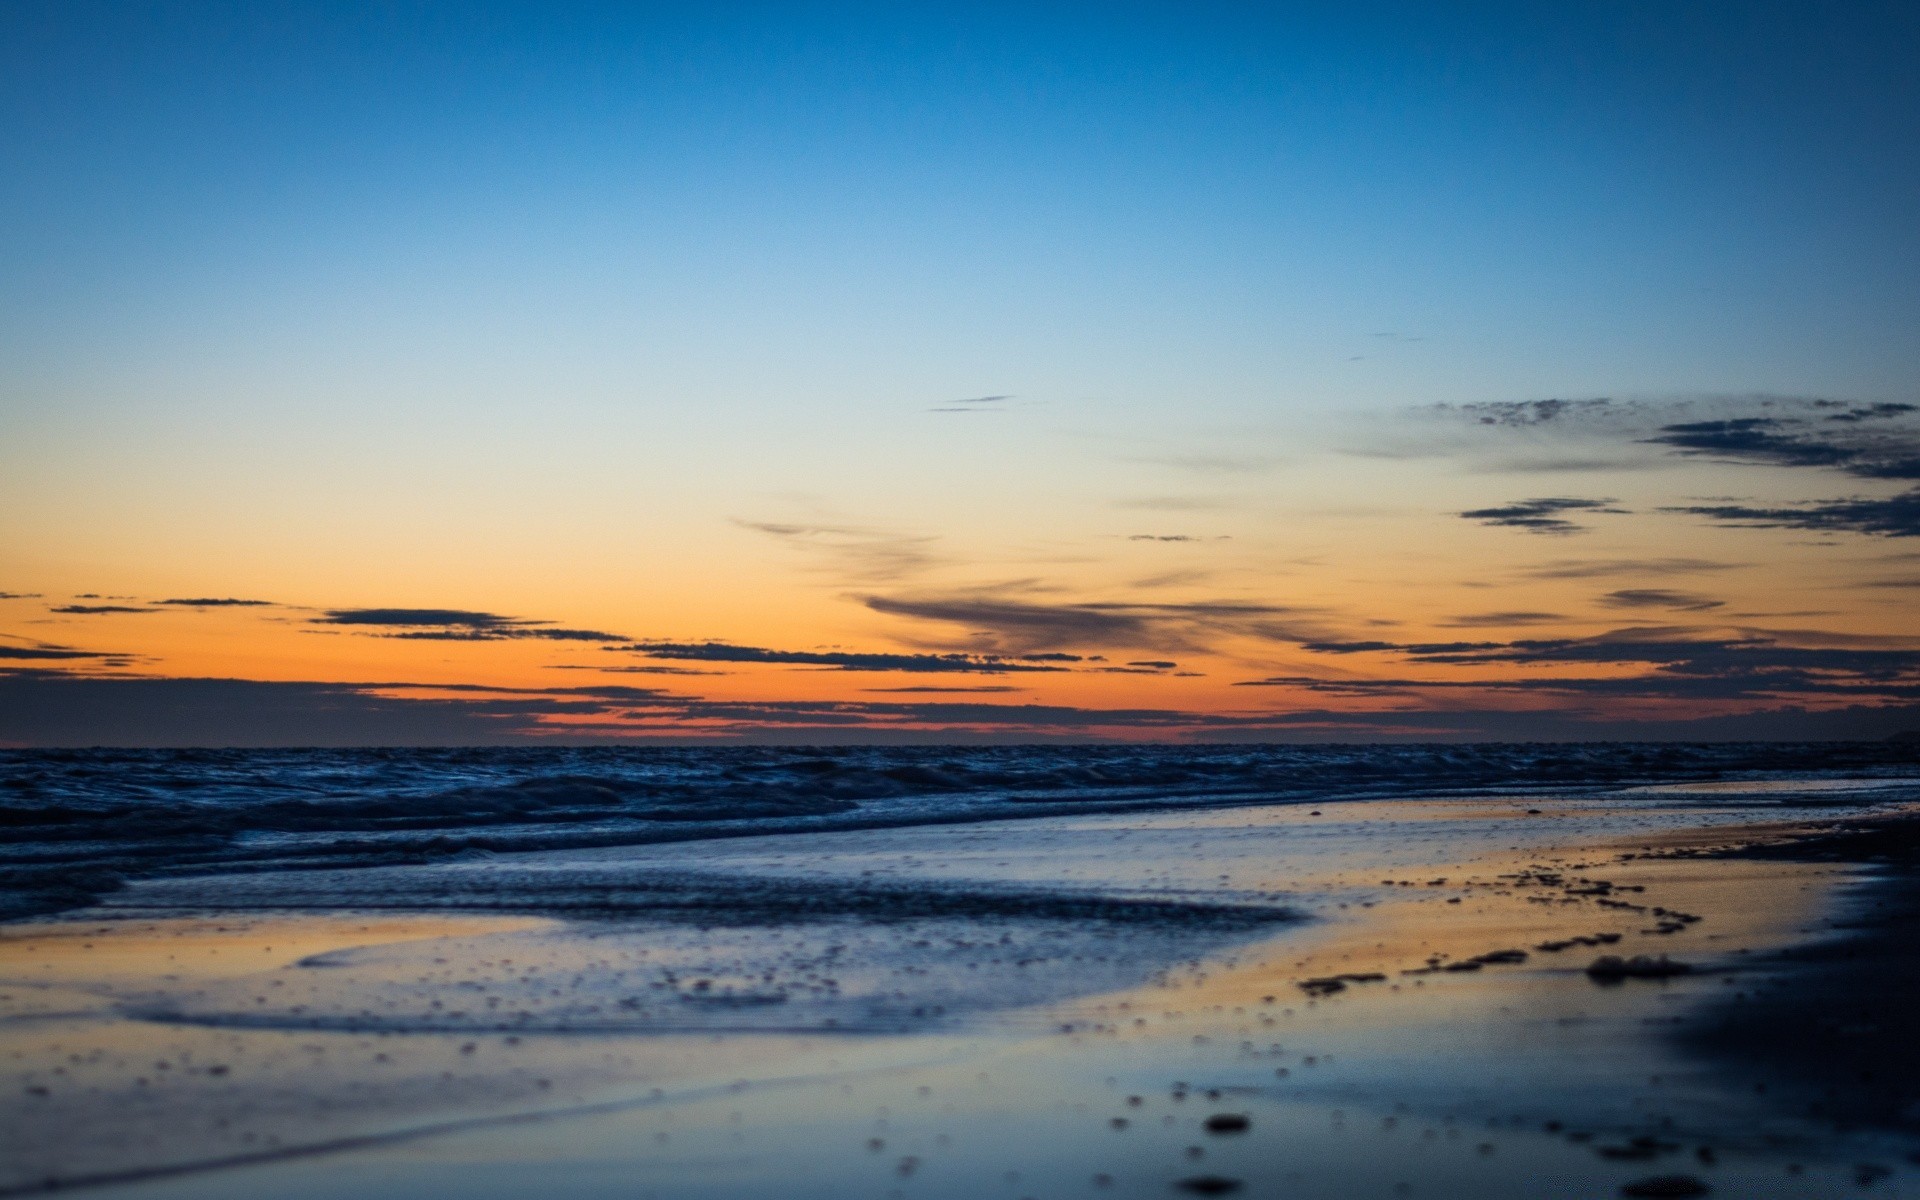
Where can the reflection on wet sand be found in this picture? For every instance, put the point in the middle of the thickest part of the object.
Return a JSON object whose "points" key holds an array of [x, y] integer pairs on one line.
{"points": [[1011, 1050]]}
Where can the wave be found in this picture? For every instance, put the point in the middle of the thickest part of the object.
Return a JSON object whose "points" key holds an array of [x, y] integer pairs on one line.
{"points": [[78, 823]]}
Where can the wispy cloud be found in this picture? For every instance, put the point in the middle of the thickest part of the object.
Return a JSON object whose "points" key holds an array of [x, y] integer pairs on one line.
{"points": [[856, 553], [1660, 598], [725, 652], [96, 610], [1501, 620], [973, 404], [456, 625], [60, 709], [1577, 568], [1892, 516], [1017, 624], [1543, 515]]}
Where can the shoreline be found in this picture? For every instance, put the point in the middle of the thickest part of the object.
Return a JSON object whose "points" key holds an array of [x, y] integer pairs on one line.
{"points": [[1457, 933], [1837, 1031]]}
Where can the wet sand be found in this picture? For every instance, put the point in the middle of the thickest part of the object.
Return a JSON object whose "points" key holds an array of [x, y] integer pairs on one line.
{"points": [[1376, 999]]}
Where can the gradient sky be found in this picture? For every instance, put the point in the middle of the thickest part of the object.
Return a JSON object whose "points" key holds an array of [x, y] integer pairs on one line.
{"points": [[839, 373]]}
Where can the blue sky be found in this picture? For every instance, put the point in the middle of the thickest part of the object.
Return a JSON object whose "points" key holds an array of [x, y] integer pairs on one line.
{"points": [[557, 310]]}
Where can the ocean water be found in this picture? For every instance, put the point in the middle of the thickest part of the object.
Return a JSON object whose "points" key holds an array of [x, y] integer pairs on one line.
{"points": [[79, 824]]}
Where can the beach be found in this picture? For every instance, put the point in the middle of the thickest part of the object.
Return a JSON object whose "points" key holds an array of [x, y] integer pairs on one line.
{"points": [[1347, 998]]}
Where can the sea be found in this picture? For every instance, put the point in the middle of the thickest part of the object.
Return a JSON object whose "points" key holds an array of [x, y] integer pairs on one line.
{"points": [[76, 825]]}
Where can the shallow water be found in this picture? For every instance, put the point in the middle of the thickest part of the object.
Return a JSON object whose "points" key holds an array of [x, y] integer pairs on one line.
{"points": [[751, 1014], [80, 822]]}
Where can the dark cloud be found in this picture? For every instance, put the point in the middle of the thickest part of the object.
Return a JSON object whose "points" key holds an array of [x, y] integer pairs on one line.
{"points": [[1871, 441], [19, 595], [1660, 598], [62, 710], [52, 652], [451, 617], [457, 625], [51, 709], [1541, 515], [1673, 663], [1893, 516], [93, 610], [1752, 440], [1164, 537], [1495, 620], [1155, 664], [1875, 412], [1788, 723], [217, 602], [842, 660], [1866, 444]]}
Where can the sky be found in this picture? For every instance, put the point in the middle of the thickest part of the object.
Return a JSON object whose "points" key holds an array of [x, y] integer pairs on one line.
{"points": [[476, 373]]}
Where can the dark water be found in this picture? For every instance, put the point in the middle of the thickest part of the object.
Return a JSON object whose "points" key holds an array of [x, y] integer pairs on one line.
{"points": [[77, 823]]}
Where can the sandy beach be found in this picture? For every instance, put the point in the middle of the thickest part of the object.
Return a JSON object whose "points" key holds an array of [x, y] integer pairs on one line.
{"points": [[1354, 999]]}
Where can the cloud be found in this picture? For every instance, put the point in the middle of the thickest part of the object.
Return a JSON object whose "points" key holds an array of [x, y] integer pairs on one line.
{"points": [[92, 610], [1674, 663], [54, 709], [414, 616], [632, 669], [1875, 412], [1164, 537], [973, 404], [1541, 515], [1660, 598], [19, 595], [1525, 413], [1572, 568], [1015, 624], [948, 688], [841, 660], [456, 625], [1750, 439], [1893, 516], [1871, 441], [51, 652], [64, 710], [1502, 619], [858, 553], [217, 602], [501, 634], [1872, 452]]}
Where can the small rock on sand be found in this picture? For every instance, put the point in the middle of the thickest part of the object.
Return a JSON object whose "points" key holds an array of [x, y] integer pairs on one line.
{"points": [[1640, 966], [1666, 1185], [1209, 1185]]}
